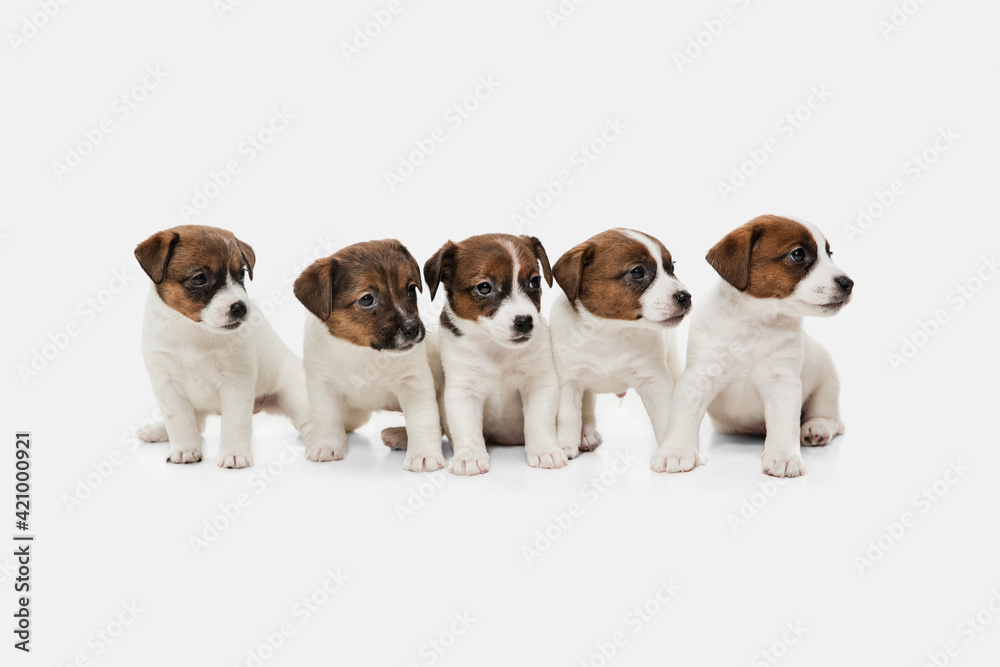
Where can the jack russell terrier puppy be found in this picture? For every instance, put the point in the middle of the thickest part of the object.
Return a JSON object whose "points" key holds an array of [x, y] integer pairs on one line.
{"points": [[500, 383], [749, 363], [620, 296], [364, 350], [205, 351]]}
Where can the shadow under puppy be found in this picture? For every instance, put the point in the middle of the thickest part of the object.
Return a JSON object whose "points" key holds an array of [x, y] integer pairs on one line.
{"points": [[500, 382], [206, 352], [365, 350], [749, 362], [610, 330]]}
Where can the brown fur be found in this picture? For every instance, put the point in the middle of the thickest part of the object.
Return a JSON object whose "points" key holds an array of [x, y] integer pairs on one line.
{"points": [[754, 258], [595, 274], [330, 289], [460, 267], [172, 257]]}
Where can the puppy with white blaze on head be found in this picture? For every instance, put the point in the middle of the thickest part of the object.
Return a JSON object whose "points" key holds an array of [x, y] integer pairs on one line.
{"points": [[500, 382], [610, 330], [365, 350], [206, 349], [750, 365]]}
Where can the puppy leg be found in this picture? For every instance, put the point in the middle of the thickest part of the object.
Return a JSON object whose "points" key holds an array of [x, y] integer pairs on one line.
{"points": [[237, 424], [782, 455], [293, 401], [589, 437], [329, 438], [156, 432], [465, 424], [183, 425], [821, 408], [540, 402], [423, 427], [699, 384], [656, 392], [394, 437], [570, 419]]}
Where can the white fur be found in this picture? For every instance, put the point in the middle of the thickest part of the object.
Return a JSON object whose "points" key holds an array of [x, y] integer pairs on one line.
{"points": [[198, 369], [751, 366], [595, 355], [346, 382]]}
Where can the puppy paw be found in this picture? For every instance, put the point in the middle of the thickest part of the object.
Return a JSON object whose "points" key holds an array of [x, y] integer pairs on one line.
{"points": [[783, 464], [547, 457], [325, 453], [469, 463], [235, 461], [184, 456], [817, 432], [153, 433], [676, 460], [590, 439], [426, 461], [395, 437], [571, 451]]}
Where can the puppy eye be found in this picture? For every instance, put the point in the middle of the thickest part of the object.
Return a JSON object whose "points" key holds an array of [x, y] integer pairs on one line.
{"points": [[535, 282], [411, 291], [638, 273], [797, 256], [199, 280], [484, 288], [367, 301]]}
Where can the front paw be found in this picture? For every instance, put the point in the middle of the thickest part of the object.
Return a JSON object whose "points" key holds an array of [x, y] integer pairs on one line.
{"points": [[669, 459], [423, 461], [590, 439], [184, 456], [321, 453], [235, 460], [817, 432], [782, 463], [547, 457], [153, 433], [469, 463]]}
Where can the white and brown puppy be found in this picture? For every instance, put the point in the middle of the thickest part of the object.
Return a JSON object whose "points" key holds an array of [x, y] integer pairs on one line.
{"points": [[609, 330], [364, 350], [749, 363], [500, 383], [207, 351]]}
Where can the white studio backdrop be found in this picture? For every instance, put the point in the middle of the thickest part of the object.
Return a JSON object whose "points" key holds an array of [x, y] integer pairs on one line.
{"points": [[304, 127]]}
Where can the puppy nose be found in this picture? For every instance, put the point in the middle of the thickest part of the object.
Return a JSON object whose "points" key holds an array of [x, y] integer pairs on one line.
{"points": [[684, 299], [409, 330], [524, 323], [845, 283], [238, 309]]}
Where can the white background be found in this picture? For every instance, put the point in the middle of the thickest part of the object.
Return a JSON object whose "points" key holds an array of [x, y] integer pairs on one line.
{"points": [[320, 184]]}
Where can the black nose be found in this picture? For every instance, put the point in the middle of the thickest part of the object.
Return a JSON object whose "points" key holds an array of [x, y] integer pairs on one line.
{"points": [[409, 330], [845, 283], [524, 323], [238, 309], [684, 299]]}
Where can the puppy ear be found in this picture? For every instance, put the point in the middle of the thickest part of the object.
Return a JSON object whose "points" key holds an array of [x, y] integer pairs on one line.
{"points": [[568, 271], [730, 257], [536, 247], [249, 258], [314, 287], [413, 263], [438, 267], [154, 254]]}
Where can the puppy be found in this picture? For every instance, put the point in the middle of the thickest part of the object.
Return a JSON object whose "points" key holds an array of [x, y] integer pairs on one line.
{"points": [[500, 382], [620, 296], [749, 362], [207, 351], [364, 350]]}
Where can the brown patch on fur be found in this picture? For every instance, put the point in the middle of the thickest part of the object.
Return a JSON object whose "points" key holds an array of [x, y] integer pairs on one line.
{"points": [[754, 258], [171, 258], [332, 288], [461, 267], [596, 274]]}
